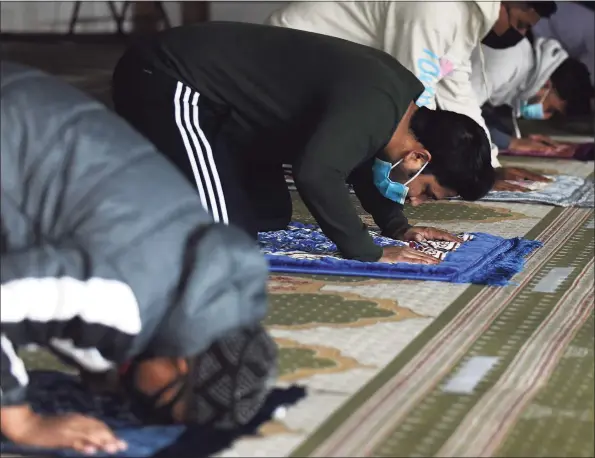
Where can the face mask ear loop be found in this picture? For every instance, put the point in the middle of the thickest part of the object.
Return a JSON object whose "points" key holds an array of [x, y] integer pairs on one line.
{"points": [[545, 95], [395, 164], [417, 174], [392, 167]]}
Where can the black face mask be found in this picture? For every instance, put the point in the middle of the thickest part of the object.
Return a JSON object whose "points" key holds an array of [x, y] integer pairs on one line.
{"points": [[508, 39], [145, 407]]}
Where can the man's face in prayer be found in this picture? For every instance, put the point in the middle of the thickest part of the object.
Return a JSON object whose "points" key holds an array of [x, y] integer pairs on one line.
{"points": [[424, 188], [552, 102]]}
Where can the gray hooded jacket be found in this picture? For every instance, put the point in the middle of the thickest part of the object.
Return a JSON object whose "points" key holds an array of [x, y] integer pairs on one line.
{"points": [[107, 254]]}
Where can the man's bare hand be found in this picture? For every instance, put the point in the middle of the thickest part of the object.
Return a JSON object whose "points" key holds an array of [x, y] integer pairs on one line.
{"points": [[422, 233], [503, 185], [545, 140], [417, 200], [394, 254], [504, 175], [519, 174], [530, 144], [77, 432]]}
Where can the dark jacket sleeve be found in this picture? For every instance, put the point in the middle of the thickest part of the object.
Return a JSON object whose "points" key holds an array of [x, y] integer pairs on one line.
{"points": [[349, 132], [388, 215], [67, 299]]}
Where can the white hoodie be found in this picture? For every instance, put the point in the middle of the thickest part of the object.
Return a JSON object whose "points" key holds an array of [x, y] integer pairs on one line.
{"points": [[573, 26], [434, 40], [514, 74]]}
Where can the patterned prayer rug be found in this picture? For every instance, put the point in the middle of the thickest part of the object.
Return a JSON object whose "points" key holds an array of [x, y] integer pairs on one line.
{"points": [[563, 191], [580, 152], [480, 259]]}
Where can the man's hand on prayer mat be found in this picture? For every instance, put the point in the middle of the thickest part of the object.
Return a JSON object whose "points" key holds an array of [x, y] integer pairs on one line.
{"points": [[394, 254], [503, 185], [530, 144], [506, 174], [73, 431], [544, 139], [519, 174], [422, 233]]}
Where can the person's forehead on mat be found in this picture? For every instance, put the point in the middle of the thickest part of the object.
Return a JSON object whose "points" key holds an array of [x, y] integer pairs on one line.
{"points": [[452, 144], [108, 257], [338, 112], [223, 386]]}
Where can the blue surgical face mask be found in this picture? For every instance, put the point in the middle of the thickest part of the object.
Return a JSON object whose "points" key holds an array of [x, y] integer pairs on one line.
{"points": [[533, 110], [392, 190]]}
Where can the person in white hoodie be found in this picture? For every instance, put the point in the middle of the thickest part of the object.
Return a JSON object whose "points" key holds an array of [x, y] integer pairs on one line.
{"points": [[573, 26], [536, 80], [434, 40]]}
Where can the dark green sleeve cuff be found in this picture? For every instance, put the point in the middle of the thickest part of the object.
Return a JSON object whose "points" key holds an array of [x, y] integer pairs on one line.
{"points": [[362, 248], [396, 228]]}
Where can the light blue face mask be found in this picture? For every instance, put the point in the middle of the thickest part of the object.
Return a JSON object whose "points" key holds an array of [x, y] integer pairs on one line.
{"points": [[392, 190], [532, 110]]}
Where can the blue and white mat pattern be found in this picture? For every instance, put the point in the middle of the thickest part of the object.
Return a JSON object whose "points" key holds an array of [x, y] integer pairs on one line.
{"points": [[563, 191], [486, 259]]}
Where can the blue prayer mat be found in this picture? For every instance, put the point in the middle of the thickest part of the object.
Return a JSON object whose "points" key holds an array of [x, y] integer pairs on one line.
{"points": [[483, 259]]}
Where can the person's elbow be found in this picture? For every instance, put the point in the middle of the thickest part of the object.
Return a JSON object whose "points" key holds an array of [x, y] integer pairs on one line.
{"points": [[312, 179]]}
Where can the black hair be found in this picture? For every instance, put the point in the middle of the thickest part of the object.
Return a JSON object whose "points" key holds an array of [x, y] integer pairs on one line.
{"points": [[544, 9], [590, 5], [572, 82], [461, 152]]}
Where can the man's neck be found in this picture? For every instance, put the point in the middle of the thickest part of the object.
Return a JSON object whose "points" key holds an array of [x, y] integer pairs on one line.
{"points": [[402, 141]]}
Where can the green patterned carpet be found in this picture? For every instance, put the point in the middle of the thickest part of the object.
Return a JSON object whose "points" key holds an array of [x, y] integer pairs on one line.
{"points": [[393, 367], [337, 335]]}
